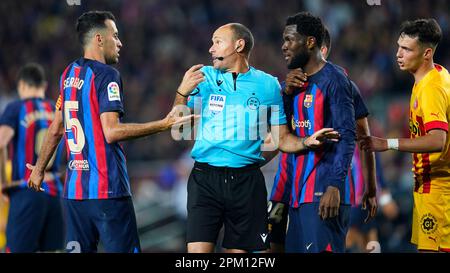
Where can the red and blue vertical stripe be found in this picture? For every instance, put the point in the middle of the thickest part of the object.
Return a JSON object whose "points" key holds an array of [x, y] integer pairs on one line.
{"points": [[106, 177]]}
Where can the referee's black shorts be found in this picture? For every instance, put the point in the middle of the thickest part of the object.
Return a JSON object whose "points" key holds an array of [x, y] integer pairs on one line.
{"points": [[233, 197]]}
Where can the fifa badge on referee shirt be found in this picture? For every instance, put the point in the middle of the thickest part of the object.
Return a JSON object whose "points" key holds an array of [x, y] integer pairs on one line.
{"points": [[216, 103], [308, 101]]}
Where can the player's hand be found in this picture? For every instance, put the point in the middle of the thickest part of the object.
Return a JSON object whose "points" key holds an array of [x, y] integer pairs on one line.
{"points": [[191, 79], [320, 137], [329, 203], [36, 178], [369, 202], [174, 118], [296, 78], [373, 144]]}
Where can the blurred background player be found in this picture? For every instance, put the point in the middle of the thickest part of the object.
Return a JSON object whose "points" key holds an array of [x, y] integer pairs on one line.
{"points": [[23, 126], [97, 195], [428, 142]]}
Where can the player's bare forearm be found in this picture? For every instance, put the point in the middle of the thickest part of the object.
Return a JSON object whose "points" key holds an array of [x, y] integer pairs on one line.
{"points": [[51, 141], [432, 142], [6, 134], [179, 100], [116, 131], [368, 161], [285, 141], [367, 157]]}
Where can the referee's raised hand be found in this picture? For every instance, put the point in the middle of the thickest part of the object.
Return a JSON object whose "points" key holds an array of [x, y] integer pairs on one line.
{"points": [[191, 79]]}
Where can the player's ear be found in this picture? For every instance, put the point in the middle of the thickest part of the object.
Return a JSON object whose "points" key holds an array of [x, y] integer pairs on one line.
{"points": [[428, 53], [310, 42], [240, 45], [98, 37]]}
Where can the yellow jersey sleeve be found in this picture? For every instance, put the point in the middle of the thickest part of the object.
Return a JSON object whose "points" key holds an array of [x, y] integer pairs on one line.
{"points": [[434, 106]]}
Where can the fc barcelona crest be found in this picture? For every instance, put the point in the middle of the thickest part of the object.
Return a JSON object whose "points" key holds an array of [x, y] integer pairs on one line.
{"points": [[308, 101]]}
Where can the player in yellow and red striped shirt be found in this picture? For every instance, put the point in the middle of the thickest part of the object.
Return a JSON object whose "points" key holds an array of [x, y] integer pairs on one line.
{"points": [[428, 122]]}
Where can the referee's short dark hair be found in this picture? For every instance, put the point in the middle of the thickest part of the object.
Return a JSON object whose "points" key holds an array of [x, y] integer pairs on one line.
{"points": [[242, 32], [32, 74], [427, 31], [308, 25], [92, 20]]}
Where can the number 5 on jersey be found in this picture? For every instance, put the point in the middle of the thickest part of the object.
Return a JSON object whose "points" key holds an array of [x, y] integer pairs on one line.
{"points": [[76, 143]]}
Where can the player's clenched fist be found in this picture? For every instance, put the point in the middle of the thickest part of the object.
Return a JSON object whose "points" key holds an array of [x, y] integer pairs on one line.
{"points": [[191, 79]]}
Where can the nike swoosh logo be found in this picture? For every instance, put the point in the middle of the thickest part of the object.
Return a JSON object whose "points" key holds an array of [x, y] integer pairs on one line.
{"points": [[308, 246]]}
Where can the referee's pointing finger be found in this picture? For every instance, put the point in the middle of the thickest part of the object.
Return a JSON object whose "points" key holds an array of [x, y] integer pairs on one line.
{"points": [[195, 67]]}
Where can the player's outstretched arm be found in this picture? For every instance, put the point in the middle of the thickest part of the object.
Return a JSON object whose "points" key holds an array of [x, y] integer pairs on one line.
{"points": [[50, 143], [432, 142], [289, 143], [369, 199], [115, 131]]}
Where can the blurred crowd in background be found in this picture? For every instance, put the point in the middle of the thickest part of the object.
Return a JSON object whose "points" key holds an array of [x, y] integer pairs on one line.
{"points": [[163, 38]]}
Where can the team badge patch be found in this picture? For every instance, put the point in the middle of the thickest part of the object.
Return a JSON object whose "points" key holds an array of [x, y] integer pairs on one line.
{"points": [[308, 101], [113, 91], [428, 223], [253, 103]]}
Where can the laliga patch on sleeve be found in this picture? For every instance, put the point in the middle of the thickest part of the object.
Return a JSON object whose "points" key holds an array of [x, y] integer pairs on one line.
{"points": [[113, 91]]}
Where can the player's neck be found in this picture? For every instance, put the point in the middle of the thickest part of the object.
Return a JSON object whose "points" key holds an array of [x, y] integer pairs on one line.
{"points": [[422, 71], [315, 64], [94, 55]]}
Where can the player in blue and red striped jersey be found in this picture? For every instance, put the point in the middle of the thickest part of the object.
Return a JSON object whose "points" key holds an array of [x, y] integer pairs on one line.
{"points": [[23, 126], [321, 192], [364, 194], [97, 195]]}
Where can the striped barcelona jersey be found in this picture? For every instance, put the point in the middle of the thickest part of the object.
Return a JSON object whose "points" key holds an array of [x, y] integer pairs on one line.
{"points": [[30, 119], [325, 101], [429, 109], [95, 169]]}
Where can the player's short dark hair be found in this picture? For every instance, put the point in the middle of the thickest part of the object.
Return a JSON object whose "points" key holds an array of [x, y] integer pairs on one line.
{"points": [[308, 25], [242, 32], [91, 20], [427, 30], [32, 74], [326, 39]]}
